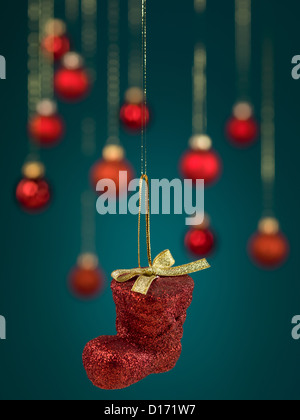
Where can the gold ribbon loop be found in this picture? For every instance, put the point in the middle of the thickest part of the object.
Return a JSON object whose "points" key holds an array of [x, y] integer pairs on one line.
{"points": [[162, 267]]}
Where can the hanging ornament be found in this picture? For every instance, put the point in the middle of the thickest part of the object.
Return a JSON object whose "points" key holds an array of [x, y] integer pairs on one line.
{"points": [[134, 113], [200, 240], [151, 305], [55, 44], [33, 191], [72, 82], [46, 127], [113, 156], [110, 166], [242, 129], [132, 116], [86, 280], [201, 161], [269, 248]]}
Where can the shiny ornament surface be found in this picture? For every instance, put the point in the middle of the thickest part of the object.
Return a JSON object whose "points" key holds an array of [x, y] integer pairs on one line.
{"points": [[201, 164], [200, 242], [134, 116], [269, 251], [56, 46], [242, 133], [33, 195], [72, 85], [110, 169], [149, 333], [46, 130]]}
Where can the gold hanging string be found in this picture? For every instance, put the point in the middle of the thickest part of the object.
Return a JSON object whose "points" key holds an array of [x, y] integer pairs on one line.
{"points": [[268, 128], [113, 72], [34, 87], [46, 63], [144, 66], [72, 10], [163, 264], [89, 41], [135, 59], [200, 5], [199, 90], [144, 178], [89, 34], [243, 20]]}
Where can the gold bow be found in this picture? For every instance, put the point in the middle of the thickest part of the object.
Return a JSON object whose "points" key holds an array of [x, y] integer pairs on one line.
{"points": [[162, 267]]}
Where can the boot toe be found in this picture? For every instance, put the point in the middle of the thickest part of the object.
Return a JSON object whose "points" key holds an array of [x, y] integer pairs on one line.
{"points": [[113, 363]]}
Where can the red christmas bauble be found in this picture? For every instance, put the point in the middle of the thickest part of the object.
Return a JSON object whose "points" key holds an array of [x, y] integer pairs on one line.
{"points": [[72, 85], [106, 169], [86, 283], [242, 132], [134, 116], [269, 250], [200, 241], [56, 46], [46, 130], [201, 164], [33, 194]]}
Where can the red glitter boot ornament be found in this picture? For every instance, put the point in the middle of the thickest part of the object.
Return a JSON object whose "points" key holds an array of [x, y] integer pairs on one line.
{"points": [[151, 306]]}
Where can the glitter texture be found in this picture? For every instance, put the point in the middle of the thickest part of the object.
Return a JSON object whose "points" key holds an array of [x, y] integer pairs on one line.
{"points": [[149, 331]]}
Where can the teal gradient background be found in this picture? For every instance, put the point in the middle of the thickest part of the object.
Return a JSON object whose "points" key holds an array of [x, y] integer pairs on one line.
{"points": [[237, 342]]}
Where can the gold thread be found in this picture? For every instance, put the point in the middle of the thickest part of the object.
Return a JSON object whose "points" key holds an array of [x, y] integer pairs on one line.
{"points": [[46, 64], [135, 77], [72, 10], [199, 90], [200, 6], [113, 72], [34, 58], [268, 128], [147, 204], [243, 19]]}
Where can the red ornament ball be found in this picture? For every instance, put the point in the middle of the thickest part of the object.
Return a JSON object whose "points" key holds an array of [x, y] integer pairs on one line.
{"points": [[269, 251], [200, 242], [72, 85], [242, 132], [201, 164], [46, 130], [56, 46], [134, 116], [86, 282], [33, 194], [110, 169]]}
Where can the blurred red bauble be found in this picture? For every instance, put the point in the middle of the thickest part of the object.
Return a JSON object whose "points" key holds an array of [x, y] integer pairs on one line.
{"points": [[46, 127], [56, 46], [201, 162], [242, 129], [200, 241], [242, 132], [72, 82], [134, 116], [33, 191], [269, 248], [110, 166], [86, 280], [46, 131]]}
